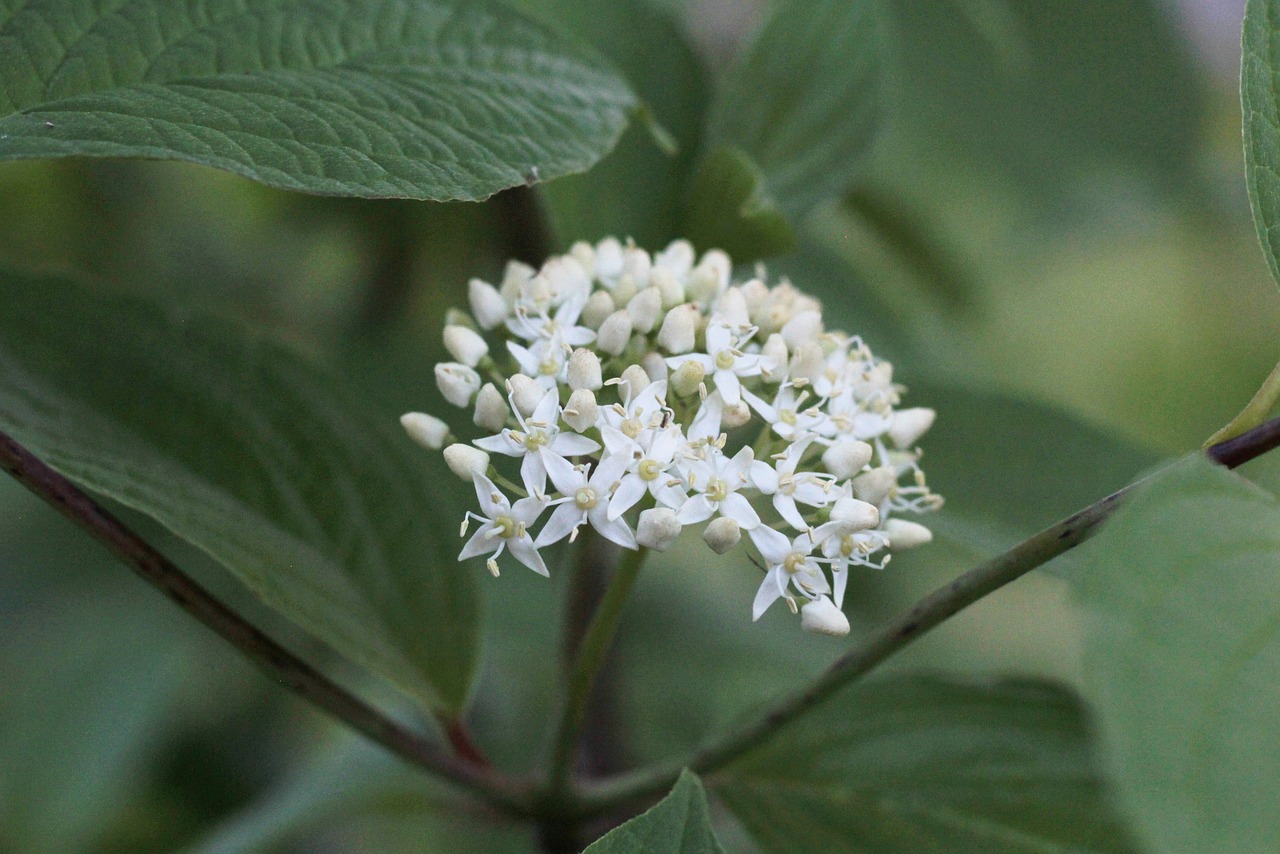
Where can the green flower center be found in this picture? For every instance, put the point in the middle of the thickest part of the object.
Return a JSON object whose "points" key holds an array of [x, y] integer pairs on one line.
{"points": [[725, 360], [717, 490], [649, 469], [585, 498]]}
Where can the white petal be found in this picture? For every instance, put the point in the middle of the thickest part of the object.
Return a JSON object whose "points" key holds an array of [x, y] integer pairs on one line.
{"points": [[501, 444], [630, 490], [566, 517], [609, 471], [739, 509], [767, 594], [764, 477], [786, 506], [695, 510], [527, 553], [478, 544], [773, 546], [534, 473], [563, 474], [548, 409], [841, 578], [572, 445], [729, 387], [492, 502], [616, 530]]}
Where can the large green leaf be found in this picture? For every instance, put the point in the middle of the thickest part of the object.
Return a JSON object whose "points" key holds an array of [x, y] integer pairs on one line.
{"points": [[1260, 101], [909, 764], [255, 456], [804, 100], [348, 784], [1182, 658], [679, 824], [730, 208], [639, 190], [90, 684], [427, 99]]}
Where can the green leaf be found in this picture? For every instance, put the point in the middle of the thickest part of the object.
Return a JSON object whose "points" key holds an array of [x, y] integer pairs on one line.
{"points": [[350, 783], [805, 99], [90, 685], [729, 208], [377, 98], [910, 763], [255, 456], [1260, 101], [1182, 658], [638, 190], [679, 824]]}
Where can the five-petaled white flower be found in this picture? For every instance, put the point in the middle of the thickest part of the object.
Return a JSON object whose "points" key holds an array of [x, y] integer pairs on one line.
{"points": [[724, 361], [715, 482], [586, 499], [787, 486]]}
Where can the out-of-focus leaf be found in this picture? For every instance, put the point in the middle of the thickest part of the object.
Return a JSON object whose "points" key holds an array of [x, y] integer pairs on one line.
{"points": [[1260, 100], [804, 101], [1182, 658], [88, 687], [379, 98], [679, 824], [729, 208], [255, 456], [351, 784], [1009, 467], [1058, 87], [638, 190], [911, 763]]}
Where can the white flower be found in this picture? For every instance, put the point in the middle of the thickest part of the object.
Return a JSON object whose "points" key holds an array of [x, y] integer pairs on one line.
{"points": [[724, 361], [538, 439], [787, 415], [503, 526], [842, 547], [788, 562], [649, 461], [586, 499], [787, 486], [545, 360], [646, 410], [715, 482]]}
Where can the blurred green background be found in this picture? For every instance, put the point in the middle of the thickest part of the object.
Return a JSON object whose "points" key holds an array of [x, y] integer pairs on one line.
{"points": [[1053, 245]]}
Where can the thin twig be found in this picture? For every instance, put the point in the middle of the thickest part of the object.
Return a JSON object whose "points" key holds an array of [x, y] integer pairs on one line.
{"points": [[278, 662], [927, 613]]}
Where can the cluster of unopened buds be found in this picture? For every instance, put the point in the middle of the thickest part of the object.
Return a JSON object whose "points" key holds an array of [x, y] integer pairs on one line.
{"points": [[631, 388]]}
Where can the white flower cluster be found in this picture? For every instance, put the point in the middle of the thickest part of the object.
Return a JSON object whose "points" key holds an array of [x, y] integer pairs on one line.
{"points": [[631, 378]]}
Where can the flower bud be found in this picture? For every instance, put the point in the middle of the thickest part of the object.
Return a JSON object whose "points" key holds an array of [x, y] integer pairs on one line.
{"points": [[637, 264], [857, 515], [678, 257], [658, 529], [909, 425], [710, 277], [515, 278], [655, 366], [585, 254], [457, 382], [732, 306], [679, 330], [614, 333], [821, 616], [525, 392], [807, 361], [599, 306], [584, 370], [904, 534], [686, 378], [608, 260], [804, 326], [625, 289], [491, 409], [645, 308], [581, 411], [488, 306], [670, 288], [735, 415], [465, 461], [775, 354], [722, 534], [465, 345], [634, 380], [874, 486], [846, 458], [427, 430], [754, 293]]}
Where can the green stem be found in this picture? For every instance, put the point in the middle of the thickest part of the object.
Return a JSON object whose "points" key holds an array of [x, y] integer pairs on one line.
{"points": [[927, 613], [586, 665]]}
